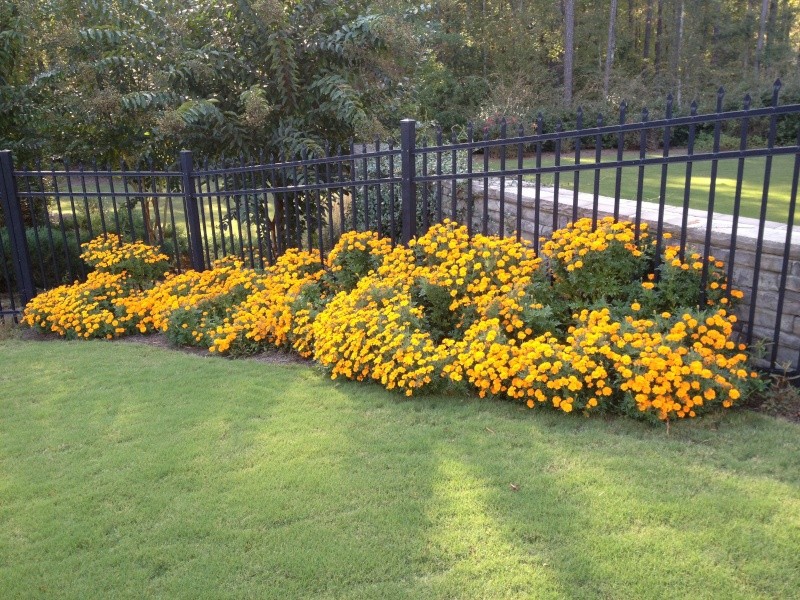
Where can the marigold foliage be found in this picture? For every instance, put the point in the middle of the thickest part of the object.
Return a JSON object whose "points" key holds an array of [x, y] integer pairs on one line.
{"points": [[599, 325], [91, 309], [109, 254]]}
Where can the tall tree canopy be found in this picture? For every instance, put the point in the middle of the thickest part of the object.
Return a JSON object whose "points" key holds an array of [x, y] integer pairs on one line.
{"points": [[143, 78], [133, 79]]}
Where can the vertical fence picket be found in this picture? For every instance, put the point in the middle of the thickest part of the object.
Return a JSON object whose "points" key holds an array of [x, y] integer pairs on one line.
{"points": [[687, 184], [82, 176], [737, 198], [773, 121], [485, 215], [598, 156], [470, 208], [246, 196], [340, 181], [576, 174], [318, 202], [378, 194], [538, 184], [128, 203], [426, 210], [48, 224], [263, 230], [113, 193], [26, 176], [328, 208], [503, 148], [16, 229], [75, 219], [392, 199], [99, 195], [454, 180], [353, 178], [61, 225], [407, 185], [662, 191], [520, 158], [365, 174], [623, 108], [192, 214], [141, 198], [203, 218], [329, 195], [712, 191], [556, 175], [439, 143], [156, 207], [776, 336], [640, 181]]}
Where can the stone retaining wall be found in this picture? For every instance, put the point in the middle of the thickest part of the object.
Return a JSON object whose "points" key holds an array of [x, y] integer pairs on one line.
{"points": [[773, 250]]}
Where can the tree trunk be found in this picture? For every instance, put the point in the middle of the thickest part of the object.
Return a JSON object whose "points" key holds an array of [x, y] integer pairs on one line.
{"points": [[483, 41], [648, 29], [762, 29], [659, 31], [676, 68], [569, 48], [612, 44], [772, 33]]}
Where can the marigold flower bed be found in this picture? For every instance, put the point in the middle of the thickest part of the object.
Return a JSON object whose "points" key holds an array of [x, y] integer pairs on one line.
{"points": [[598, 323]]}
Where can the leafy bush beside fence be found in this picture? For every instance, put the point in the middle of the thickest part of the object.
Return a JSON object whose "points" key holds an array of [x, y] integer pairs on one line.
{"points": [[597, 325]]}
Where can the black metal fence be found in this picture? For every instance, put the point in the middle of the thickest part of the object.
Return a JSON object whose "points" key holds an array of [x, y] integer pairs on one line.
{"points": [[526, 184]]}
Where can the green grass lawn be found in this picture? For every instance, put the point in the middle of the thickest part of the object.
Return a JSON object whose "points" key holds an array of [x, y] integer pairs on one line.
{"points": [[780, 187], [133, 471]]}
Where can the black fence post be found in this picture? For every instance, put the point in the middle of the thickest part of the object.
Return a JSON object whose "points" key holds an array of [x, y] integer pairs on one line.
{"points": [[192, 213], [20, 256], [408, 191]]}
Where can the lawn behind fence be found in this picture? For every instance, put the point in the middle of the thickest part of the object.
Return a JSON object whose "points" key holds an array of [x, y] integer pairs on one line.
{"points": [[128, 470], [752, 191]]}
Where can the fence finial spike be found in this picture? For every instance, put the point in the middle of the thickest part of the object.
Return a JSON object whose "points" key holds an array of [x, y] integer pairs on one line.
{"points": [[693, 107], [746, 101], [721, 91], [778, 83]]}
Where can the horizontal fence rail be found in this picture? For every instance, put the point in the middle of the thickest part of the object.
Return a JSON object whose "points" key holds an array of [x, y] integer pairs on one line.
{"points": [[723, 183]]}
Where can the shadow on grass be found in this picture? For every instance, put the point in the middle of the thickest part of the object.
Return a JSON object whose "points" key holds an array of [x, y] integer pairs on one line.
{"points": [[140, 471]]}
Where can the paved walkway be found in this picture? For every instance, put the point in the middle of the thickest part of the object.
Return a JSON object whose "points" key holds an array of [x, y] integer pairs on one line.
{"points": [[722, 224]]}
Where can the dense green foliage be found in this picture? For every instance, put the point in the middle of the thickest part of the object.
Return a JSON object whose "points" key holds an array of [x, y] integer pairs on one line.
{"points": [[128, 79]]}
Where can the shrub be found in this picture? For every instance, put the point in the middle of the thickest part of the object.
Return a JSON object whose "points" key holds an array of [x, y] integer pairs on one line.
{"points": [[91, 309], [601, 324], [141, 262], [98, 307], [190, 306]]}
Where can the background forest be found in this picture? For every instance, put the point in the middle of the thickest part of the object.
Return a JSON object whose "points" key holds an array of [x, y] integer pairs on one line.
{"points": [[127, 80]]}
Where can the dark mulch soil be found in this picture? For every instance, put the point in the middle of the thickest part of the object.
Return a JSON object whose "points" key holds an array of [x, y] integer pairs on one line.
{"points": [[266, 356], [781, 400]]}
